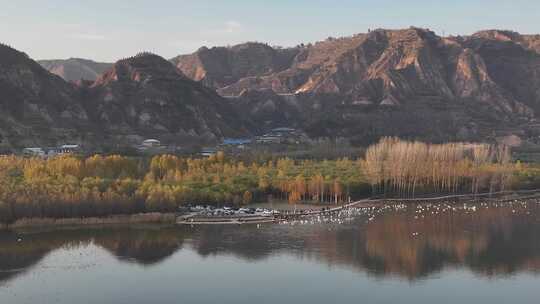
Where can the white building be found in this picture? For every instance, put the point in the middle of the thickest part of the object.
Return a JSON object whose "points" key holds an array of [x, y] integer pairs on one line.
{"points": [[151, 143], [34, 152], [66, 149]]}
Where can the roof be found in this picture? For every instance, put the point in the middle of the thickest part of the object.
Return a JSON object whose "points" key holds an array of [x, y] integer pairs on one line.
{"points": [[209, 150], [69, 146], [283, 130], [266, 137], [233, 141], [362, 102], [151, 140]]}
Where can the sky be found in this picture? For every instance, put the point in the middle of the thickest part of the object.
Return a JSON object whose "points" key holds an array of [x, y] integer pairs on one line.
{"points": [[108, 30]]}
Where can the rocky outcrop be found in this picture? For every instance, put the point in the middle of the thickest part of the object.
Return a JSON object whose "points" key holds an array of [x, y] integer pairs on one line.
{"points": [[75, 69], [221, 66], [476, 85], [529, 42], [512, 64], [397, 66]]}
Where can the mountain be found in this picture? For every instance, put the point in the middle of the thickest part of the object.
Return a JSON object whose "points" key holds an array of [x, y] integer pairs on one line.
{"points": [[512, 63], [390, 66], [146, 96], [36, 107], [409, 83], [459, 87], [221, 66], [138, 97], [529, 42], [269, 110], [75, 69]]}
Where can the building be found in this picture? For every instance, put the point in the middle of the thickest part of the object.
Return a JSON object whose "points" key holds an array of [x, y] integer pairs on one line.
{"points": [[280, 136], [236, 143], [269, 139], [152, 146], [51, 151], [68, 149], [151, 143], [34, 152], [283, 131], [207, 152]]}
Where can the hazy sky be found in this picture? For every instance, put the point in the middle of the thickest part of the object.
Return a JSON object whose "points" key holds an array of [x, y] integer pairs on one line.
{"points": [[107, 30]]}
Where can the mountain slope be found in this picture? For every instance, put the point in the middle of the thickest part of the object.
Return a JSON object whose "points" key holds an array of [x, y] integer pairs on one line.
{"points": [[395, 66], [409, 83], [146, 95], [398, 82], [138, 97], [36, 107], [75, 69], [222, 66], [512, 63]]}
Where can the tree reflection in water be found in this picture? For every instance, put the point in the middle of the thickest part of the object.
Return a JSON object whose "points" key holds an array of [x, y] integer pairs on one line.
{"points": [[488, 241]]}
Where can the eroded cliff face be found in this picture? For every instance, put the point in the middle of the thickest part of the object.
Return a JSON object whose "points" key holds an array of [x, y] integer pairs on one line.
{"points": [[221, 66], [398, 82], [529, 42], [512, 64], [395, 66]]}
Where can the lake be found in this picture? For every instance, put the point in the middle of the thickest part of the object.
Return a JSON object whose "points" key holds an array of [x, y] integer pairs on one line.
{"points": [[431, 253]]}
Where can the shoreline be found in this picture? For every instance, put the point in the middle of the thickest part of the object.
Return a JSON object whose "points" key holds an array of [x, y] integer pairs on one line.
{"points": [[173, 219], [142, 218]]}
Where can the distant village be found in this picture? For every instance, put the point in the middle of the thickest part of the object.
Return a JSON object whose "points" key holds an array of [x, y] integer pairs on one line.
{"points": [[276, 137], [51, 151]]}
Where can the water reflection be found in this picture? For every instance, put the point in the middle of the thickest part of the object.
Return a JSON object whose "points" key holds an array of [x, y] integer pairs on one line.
{"points": [[409, 244], [489, 241], [19, 252], [146, 247]]}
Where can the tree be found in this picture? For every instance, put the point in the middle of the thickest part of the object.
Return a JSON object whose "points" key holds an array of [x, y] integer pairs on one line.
{"points": [[338, 191], [247, 197]]}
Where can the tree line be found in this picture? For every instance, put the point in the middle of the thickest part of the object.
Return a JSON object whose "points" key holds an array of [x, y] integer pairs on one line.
{"points": [[70, 186], [405, 168]]}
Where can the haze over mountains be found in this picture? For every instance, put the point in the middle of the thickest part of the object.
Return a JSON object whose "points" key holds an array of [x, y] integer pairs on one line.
{"points": [[409, 83]]}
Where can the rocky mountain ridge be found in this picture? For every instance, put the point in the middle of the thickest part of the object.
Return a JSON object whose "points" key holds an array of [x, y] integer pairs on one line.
{"points": [[464, 87], [394, 66], [146, 94], [138, 97], [409, 83]]}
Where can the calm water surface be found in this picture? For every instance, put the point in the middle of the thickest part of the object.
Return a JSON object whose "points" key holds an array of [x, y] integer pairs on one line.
{"points": [[481, 253]]}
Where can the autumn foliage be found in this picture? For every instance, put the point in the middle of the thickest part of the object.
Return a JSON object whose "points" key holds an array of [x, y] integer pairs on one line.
{"points": [[407, 168], [69, 186]]}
